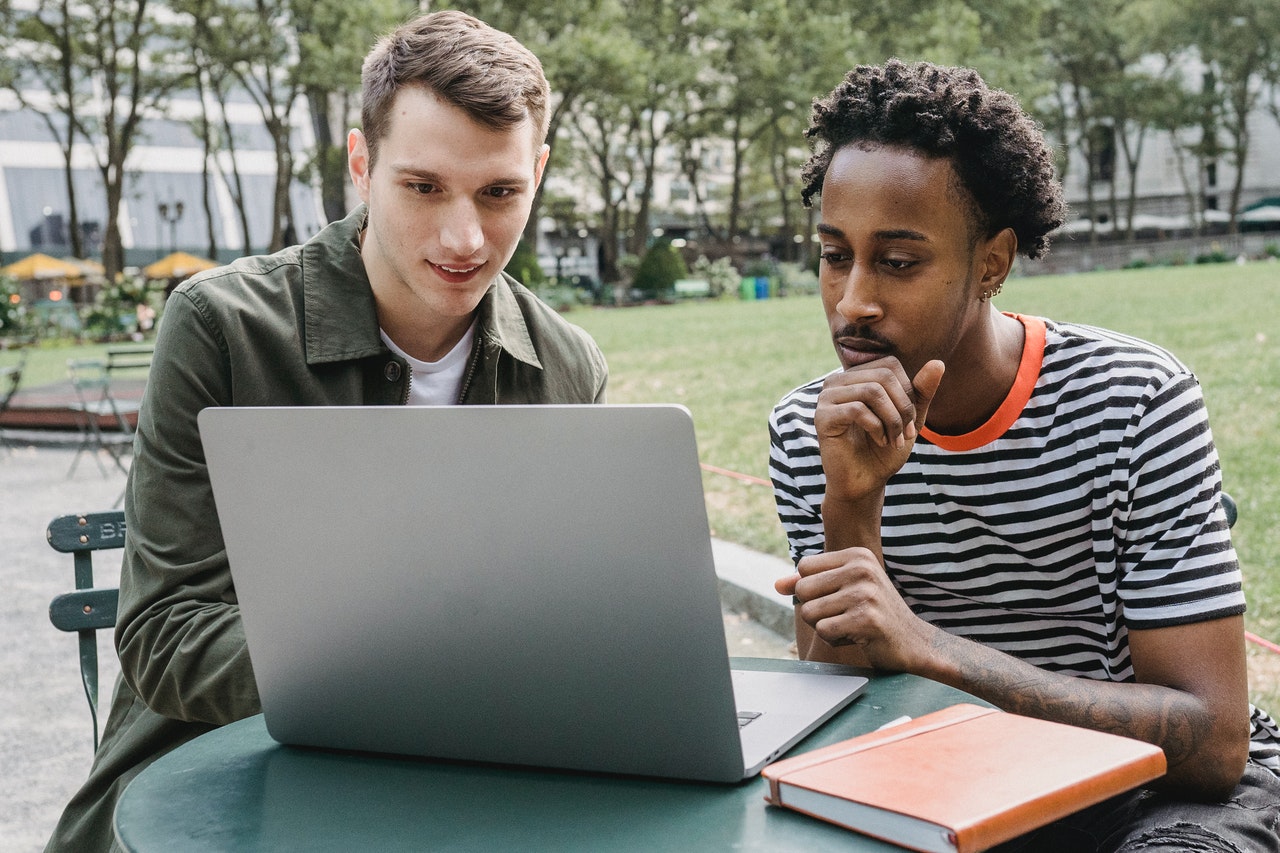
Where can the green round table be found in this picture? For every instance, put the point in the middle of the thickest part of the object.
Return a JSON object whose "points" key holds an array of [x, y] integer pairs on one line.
{"points": [[237, 789]]}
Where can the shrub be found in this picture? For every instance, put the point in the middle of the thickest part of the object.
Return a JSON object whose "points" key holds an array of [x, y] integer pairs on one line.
{"points": [[797, 280], [563, 297], [12, 311], [524, 267], [760, 268], [114, 312], [720, 274], [660, 268]]}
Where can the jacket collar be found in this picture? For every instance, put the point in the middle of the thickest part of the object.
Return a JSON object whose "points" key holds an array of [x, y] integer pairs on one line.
{"points": [[341, 318], [502, 322]]}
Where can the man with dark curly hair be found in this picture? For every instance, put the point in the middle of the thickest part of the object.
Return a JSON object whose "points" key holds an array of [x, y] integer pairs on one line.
{"points": [[1025, 509]]}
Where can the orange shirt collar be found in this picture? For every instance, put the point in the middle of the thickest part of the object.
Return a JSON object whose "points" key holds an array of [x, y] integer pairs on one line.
{"points": [[1014, 403]]}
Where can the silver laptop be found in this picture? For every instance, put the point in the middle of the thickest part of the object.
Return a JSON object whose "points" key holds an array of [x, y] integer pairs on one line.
{"points": [[525, 585]]}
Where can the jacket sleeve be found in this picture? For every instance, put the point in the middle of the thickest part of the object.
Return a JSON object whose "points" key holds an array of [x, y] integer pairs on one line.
{"points": [[600, 369], [179, 633]]}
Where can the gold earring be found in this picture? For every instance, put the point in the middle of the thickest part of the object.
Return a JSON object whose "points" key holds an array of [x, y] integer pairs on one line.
{"points": [[988, 294]]}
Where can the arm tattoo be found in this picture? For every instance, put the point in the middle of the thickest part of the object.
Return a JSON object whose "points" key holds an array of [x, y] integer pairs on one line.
{"points": [[1171, 719]]}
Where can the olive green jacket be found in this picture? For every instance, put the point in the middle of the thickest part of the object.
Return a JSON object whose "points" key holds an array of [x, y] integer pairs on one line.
{"points": [[295, 328]]}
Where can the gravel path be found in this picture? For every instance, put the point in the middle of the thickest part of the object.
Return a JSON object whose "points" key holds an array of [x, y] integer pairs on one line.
{"points": [[46, 741]]}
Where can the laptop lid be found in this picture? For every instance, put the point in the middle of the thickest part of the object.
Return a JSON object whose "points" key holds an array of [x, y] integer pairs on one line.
{"points": [[514, 584]]}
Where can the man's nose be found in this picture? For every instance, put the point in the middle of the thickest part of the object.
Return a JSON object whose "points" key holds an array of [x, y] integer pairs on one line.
{"points": [[859, 296], [462, 234]]}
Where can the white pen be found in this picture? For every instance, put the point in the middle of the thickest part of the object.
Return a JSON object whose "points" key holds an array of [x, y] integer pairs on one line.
{"points": [[894, 722]]}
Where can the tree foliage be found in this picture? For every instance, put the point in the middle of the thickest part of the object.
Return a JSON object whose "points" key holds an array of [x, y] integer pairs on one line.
{"points": [[713, 94], [117, 48]]}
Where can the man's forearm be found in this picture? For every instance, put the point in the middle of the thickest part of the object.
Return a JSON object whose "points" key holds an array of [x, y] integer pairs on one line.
{"points": [[1202, 763]]}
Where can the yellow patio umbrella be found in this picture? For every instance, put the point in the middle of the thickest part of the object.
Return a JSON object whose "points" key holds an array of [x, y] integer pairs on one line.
{"points": [[40, 266], [87, 267], [178, 265]]}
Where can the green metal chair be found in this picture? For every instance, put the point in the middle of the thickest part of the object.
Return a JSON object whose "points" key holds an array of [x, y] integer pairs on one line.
{"points": [[88, 609], [95, 402], [129, 358]]}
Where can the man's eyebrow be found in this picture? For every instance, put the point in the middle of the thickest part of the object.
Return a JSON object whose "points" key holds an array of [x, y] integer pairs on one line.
{"points": [[406, 170], [888, 234], [429, 177], [902, 234]]}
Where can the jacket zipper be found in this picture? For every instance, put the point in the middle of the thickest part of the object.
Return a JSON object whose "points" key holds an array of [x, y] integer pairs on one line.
{"points": [[471, 372]]}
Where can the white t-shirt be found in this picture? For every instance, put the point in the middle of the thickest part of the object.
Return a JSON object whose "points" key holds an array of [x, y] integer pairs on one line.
{"points": [[437, 383]]}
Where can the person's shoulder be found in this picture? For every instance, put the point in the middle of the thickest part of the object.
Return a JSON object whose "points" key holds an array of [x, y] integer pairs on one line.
{"points": [[806, 393], [1081, 343], [801, 401], [253, 273]]}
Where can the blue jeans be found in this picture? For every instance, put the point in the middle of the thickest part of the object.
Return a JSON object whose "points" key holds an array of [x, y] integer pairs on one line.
{"points": [[1147, 821]]}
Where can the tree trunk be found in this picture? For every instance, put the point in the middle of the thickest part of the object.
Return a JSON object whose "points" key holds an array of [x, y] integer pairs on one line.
{"points": [[237, 182], [206, 179], [531, 235], [331, 158], [73, 215], [112, 247], [281, 207], [735, 192]]}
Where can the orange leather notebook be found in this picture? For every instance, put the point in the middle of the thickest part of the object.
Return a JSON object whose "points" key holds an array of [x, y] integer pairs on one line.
{"points": [[961, 779]]}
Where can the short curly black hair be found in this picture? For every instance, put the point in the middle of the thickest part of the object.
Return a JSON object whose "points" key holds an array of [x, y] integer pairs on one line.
{"points": [[999, 153]]}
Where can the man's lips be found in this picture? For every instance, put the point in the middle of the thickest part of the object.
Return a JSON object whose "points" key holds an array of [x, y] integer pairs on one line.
{"points": [[855, 350], [456, 272]]}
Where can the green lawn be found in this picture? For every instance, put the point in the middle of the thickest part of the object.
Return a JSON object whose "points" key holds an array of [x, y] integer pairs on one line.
{"points": [[48, 362]]}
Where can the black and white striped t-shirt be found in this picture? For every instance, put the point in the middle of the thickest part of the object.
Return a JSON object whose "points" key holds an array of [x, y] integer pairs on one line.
{"points": [[1088, 505]]}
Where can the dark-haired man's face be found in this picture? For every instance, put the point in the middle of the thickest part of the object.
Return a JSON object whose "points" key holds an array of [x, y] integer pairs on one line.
{"points": [[899, 270], [448, 200]]}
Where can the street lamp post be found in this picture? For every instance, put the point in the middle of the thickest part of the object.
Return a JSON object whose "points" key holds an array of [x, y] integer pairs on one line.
{"points": [[170, 214]]}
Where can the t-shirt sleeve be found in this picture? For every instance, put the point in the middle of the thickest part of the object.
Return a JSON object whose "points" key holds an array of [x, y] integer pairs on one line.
{"points": [[795, 467], [1178, 564]]}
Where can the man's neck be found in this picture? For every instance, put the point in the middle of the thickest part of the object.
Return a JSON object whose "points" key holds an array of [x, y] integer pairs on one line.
{"points": [[427, 342], [978, 382]]}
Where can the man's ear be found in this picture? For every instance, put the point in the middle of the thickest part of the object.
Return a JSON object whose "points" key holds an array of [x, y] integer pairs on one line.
{"points": [[998, 254], [540, 165], [358, 163]]}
